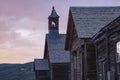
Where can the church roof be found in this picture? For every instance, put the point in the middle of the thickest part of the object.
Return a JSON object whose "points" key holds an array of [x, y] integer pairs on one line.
{"points": [[57, 54], [53, 14], [89, 20], [41, 64]]}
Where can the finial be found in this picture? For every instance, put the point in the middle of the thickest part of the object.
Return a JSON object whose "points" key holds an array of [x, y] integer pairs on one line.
{"points": [[53, 13]]}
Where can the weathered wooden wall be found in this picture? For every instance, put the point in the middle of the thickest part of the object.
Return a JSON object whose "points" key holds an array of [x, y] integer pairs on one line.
{"points": [[90, 61], [106, 51], [42, 75], [60, 71]]}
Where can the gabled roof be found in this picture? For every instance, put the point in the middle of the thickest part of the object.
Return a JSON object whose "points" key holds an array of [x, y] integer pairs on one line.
{"points": [[56, 51], [89, 20], [41, 64]]}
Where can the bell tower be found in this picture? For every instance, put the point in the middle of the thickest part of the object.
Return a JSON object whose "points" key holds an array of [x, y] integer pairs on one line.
{"points": [[53, 22]]}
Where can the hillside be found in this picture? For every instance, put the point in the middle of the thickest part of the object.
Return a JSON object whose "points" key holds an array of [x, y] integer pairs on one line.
{"points": [[17, 71]]}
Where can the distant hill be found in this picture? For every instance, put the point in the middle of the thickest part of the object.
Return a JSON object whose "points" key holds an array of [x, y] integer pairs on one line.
{"points": [[17, 71]]}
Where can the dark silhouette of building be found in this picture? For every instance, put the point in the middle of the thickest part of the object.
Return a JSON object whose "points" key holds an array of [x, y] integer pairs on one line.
{"points": [[55, 65]]}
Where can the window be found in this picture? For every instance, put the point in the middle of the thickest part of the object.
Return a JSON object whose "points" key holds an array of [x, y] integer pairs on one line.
{"points": [[118, 59], [118, 51], [118, 68], [104, 70]]}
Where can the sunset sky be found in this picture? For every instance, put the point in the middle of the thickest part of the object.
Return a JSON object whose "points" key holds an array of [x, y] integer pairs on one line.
{"points": [[24, 23]]}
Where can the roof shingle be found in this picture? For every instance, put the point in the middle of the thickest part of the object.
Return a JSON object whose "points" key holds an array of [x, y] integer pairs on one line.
{"points": [[57, 54]]}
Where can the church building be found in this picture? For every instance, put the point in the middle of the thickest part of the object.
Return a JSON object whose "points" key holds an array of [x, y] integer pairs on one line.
{"points": [[90, 50], [56, 62]]}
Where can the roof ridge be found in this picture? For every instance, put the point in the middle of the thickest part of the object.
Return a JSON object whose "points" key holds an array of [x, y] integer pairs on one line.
{"points": [[94, 6]]}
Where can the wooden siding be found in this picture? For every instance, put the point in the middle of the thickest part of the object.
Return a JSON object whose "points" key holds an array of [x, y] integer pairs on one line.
{"points": [[85, 58], [101, 57], [75, 51], [106, 50], [60, 71], [72, 66], [90, 61], [42, 75]]}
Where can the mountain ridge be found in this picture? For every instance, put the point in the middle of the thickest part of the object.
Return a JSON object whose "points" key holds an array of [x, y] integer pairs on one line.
{"points": [[16, 71]]}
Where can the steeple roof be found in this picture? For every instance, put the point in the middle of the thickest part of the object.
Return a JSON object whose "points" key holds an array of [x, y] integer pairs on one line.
{"points": [[53, 13]]}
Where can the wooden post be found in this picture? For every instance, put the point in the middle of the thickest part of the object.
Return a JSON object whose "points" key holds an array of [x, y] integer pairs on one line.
{"points": [[96, 52], [108, 55], [78, 64], [72, 66]]}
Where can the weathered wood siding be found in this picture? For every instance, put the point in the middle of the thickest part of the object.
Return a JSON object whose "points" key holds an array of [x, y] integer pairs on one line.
{"points": [[60, 71], [75, 51], [85, 58], [101, 58], [42, 75], [106, 51], [90, 61]]}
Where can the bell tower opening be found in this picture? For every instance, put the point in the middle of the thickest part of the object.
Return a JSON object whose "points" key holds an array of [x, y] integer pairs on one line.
{"points": [[53, 24]]}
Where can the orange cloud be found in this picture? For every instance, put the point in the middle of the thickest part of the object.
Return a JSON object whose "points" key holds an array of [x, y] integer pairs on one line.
{"points": [[19, 56]]}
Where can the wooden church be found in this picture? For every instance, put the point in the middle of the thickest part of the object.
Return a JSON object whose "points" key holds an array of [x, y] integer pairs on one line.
{"points": [[56, 62], [92, 46]]}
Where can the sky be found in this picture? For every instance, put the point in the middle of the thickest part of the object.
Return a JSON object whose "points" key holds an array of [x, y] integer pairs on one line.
{"points": [[24, 23]]}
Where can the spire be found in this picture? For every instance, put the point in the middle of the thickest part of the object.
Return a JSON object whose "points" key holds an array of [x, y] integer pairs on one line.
{"points": [[53, 13], [53, 24]]}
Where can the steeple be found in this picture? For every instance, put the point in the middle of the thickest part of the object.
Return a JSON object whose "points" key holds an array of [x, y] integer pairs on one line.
{"points": [[53, 23], [53, 13]]}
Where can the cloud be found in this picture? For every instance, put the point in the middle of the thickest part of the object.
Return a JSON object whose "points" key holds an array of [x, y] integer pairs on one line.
{"points": [[20, 32], [20, 37]]}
